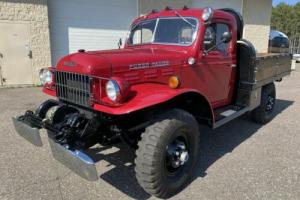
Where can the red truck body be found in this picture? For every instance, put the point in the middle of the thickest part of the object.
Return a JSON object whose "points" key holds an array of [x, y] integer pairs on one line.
{"points": [[212, 77], [152, 95]]}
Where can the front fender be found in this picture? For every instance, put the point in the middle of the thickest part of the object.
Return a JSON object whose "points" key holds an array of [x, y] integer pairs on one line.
{"points": [[146, 95]]}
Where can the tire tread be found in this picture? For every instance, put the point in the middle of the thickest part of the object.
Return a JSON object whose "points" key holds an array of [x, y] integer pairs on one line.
{"points": [[150, 150]]}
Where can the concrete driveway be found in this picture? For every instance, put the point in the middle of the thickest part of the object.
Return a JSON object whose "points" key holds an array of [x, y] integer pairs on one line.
{"points": [[240, 160]]}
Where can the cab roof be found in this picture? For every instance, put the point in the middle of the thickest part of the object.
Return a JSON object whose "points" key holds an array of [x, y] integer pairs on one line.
{"points": [[186, 12]]}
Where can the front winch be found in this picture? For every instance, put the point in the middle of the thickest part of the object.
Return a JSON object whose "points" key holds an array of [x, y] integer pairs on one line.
{"points": [[72, 128], [69, 133]]}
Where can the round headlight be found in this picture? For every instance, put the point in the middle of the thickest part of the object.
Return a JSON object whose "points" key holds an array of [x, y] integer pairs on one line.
{"points": [[46, 76], [207, 14], [112, 90]]}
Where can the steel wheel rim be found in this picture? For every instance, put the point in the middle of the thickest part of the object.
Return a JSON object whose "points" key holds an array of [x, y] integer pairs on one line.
{"points": [[177, 155], [270, 104]]}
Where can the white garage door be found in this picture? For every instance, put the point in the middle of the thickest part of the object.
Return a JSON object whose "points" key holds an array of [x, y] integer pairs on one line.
{"points": [[235, 4], [89, 24]]}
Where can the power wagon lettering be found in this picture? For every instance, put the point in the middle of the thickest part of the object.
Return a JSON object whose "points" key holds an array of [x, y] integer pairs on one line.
{"points": [[149, 65]]}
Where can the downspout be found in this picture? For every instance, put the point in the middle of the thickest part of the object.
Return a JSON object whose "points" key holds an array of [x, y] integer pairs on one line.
{"points": [[242, 13], [138, 8]]}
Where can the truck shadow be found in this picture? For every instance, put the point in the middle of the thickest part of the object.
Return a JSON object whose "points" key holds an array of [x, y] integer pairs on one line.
{"points": [[214, 145]]}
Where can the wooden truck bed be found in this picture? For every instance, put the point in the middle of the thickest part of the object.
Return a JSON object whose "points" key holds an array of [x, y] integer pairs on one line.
{"points": [[265, 68], [271, 67], [259, 70]]}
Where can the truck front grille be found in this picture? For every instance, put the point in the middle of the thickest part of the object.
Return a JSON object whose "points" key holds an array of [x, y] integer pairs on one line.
{"points": [[74, 88]]}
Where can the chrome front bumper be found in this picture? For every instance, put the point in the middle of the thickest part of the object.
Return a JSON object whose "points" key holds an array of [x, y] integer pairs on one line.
{"points": [[31, 134], [77, 161]]}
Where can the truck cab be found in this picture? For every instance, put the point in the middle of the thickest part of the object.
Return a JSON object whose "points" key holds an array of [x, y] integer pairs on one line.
{"points": [[161, 45], [177, 69]]}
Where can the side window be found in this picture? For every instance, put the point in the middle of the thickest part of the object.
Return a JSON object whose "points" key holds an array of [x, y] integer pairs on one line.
{"points": [[213, 35], [222, 28]]}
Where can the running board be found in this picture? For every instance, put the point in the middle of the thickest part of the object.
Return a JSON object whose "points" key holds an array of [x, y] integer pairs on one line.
{"points": [[230, 116]]}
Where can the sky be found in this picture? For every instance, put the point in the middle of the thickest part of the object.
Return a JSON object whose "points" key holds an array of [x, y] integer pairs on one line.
{"points": [[291, 2]]}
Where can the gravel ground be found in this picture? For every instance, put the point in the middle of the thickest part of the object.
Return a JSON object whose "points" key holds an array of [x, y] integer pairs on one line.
{"points": [[240, 160]]}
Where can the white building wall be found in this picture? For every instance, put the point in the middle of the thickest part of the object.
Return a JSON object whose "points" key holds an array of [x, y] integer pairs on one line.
{"points": [[257, 18]]}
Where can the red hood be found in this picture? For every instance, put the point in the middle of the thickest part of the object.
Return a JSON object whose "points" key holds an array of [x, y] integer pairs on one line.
{"points": [[109, 62]]}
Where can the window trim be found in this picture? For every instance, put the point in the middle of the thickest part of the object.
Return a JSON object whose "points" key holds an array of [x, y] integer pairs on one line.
{"points": [[163, 43]]}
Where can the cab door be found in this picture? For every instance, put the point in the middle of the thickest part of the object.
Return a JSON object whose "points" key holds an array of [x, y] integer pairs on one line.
{"points": [[217, 63]]}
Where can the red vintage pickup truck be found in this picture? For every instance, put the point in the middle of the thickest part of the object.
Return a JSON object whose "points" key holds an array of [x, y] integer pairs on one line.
{"points": [[178, 69]]}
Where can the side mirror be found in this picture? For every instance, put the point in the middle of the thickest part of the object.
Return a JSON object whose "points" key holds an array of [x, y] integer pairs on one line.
{"points": [[226, 37], [120, 43]]}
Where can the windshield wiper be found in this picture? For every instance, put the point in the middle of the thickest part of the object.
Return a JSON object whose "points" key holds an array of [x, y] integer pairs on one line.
{"points": [[184, 19]]}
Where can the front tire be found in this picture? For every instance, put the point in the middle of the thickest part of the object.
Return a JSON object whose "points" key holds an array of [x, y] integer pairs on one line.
{"points": [[168, 153], [264, 112]]}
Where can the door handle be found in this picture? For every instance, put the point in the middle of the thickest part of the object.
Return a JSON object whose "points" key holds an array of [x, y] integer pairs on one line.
{"points": [[29, 54]]}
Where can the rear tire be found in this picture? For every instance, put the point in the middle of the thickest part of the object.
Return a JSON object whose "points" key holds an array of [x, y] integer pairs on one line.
{"points": [[264, 112], [167, 154]]}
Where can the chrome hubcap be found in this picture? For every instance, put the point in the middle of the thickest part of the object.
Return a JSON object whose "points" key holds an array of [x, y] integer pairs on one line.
{"points": [[177, 154]]}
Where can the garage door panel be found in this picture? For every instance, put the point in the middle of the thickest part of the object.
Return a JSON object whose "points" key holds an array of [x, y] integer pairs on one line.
{"points": [[90, 24], [94, 39]]}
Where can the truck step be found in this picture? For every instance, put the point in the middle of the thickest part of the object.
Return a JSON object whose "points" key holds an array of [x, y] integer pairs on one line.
{"points": [[228, 113]]}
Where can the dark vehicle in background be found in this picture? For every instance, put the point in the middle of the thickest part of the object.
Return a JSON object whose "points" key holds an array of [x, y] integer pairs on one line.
{"points": [[279, 45], [278, 42]]}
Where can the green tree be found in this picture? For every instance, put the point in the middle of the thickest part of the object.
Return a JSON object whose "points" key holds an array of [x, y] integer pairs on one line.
{"points": [[286, 18]]}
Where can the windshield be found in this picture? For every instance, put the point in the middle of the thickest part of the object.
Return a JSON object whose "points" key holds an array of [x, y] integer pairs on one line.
{"points": [[178, 31]]}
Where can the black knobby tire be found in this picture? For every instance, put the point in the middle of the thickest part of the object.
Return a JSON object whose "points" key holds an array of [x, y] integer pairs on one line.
{"points": [[152, 169], [264, 112]]}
